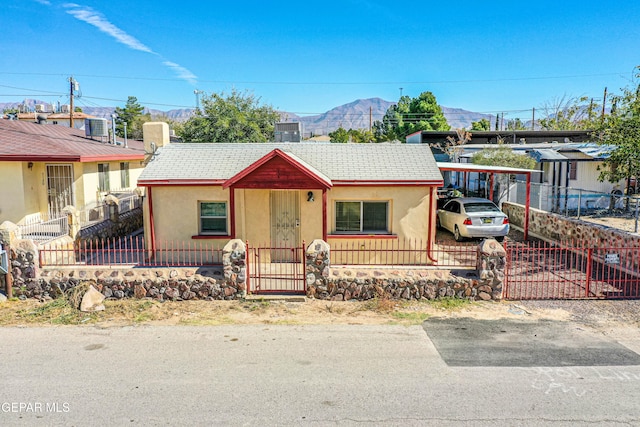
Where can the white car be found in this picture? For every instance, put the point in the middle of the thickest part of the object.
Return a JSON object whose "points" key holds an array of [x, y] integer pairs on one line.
{"points": [[473, 217]]}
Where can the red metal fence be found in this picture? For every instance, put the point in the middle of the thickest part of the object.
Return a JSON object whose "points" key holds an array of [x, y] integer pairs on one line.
{"points": [[571, 270], [130, 251], [400, 252], [276, 269]]}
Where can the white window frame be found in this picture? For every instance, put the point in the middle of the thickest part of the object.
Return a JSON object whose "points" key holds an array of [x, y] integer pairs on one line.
{"points": [[103, 177], [202, 232], [124, 175]]}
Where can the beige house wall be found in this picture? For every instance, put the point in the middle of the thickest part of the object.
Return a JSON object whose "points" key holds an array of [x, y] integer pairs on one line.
{"points": [[176, 215], [24, 190], [12, 194], [175, 211], [87, 180], [409, 207]]}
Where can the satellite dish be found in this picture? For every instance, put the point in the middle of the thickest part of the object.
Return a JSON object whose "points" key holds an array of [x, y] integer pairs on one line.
{"points": [[149, 156]]}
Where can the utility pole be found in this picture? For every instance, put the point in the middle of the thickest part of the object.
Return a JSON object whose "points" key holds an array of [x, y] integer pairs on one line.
{"points": [[533, 119], [197, 94], [370, 117], [604, 102], [71, 84]]}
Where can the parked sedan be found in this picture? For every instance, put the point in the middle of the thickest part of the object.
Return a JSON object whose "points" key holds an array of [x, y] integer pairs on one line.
{"points": [[473, 217]]}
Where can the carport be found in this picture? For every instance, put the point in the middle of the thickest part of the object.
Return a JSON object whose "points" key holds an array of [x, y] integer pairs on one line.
{"points": [[491, 171]]}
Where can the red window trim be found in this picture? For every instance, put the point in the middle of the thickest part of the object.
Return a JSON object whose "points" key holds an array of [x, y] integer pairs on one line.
{"points": [[362, 236], [211, 236]]}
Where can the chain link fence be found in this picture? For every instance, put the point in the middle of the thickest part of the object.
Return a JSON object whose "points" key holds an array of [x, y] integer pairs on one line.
{"points": [[612, 209]]}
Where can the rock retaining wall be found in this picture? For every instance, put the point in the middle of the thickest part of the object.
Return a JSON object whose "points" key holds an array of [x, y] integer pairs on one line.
{"points": [[342, 284], [125, 225], [229, 281]]}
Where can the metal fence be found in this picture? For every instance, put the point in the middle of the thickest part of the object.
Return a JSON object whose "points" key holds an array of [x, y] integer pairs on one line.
{"points": [[571, 270], [131, 251], [44, 231], [401, 252], [577, 203]]}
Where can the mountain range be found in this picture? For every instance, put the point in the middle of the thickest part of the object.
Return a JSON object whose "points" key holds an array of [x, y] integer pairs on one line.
{"points": [[359, 114]]}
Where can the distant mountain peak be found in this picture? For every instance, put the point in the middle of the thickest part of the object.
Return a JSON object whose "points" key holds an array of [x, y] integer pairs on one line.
{"points": [[358, 114]]}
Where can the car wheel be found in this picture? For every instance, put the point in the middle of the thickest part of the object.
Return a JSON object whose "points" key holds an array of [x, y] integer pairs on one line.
{"points": [[499, 238], [457, 235], [438, 225]]}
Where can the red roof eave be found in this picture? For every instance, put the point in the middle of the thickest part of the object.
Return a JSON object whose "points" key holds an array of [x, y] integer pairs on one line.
{"points": [[68, 158], [179, 182], [436, 183], [272, 154]]}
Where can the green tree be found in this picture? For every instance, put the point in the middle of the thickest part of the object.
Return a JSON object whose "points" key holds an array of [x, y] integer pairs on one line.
{"points": [[236, 117], [502, 155], [620, 130], [340, 135], [482, 124], [132, 115], [411, 115], [515, 124]]}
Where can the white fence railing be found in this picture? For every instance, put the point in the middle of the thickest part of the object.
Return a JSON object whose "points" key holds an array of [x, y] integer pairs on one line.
{"points": [[45, 231]]}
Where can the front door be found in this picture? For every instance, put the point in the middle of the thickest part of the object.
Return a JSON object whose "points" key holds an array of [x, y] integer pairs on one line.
{"points": [[59, 188], [285, 225]]}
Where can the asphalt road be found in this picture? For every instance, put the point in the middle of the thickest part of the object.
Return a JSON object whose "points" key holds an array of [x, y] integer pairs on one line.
{"points": [[316, 375]]}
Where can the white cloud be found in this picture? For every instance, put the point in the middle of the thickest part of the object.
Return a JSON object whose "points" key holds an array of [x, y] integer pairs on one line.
{"points": [[44, 2], [182, 72], [98, 20]]}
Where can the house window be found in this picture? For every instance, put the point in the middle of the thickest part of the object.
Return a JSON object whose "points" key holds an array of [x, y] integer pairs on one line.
{"points": [[362, 217], [124, 175], [573, 170], [103, 177], [213, 218]]}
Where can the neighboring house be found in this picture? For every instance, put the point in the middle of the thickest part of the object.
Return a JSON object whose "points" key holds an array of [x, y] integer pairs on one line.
{"points": [[44, 168], [281, 194], [571, 165], [54, 118], [505, 136]]}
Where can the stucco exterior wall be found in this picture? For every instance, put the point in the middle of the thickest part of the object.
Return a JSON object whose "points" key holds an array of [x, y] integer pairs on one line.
{"points": [[12, 192], [88, 180], [175, 210], [409, 208], [176, 216]]}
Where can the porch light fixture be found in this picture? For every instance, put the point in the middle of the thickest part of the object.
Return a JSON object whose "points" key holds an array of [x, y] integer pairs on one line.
{"points": [[30, 165], [310, 196]]}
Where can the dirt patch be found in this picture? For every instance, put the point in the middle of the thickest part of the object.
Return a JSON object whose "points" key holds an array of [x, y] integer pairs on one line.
{"points": [[377, 311]]}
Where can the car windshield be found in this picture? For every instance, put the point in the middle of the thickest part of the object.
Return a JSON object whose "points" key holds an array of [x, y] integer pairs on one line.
{"points": [[481, 207]]}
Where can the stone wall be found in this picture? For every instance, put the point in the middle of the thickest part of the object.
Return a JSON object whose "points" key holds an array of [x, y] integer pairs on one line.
{"points": [[207, 283], [558, 228], [174, 284], [342, 284], [121, 225], [229, 281]]}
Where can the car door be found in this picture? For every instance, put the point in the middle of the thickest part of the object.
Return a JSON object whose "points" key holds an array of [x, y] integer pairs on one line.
{"points": [[450, 213]]}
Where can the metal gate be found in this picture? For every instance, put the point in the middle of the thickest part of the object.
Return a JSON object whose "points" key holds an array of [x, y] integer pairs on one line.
{"points": [[267, 274], [571, 271], [59, 188], [285, 224]]}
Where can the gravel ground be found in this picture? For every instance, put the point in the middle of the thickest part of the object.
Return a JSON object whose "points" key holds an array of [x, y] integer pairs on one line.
{"points": [[593, 312]]}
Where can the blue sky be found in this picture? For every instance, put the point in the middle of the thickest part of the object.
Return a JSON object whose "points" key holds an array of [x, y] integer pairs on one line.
{"points": [[308, 57]]}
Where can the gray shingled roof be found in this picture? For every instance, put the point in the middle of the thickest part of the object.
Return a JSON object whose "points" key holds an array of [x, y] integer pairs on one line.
{"points": [[338, 162]]}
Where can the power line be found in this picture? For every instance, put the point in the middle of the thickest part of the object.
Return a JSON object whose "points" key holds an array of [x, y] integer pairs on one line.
{"points": [[334, 82]]}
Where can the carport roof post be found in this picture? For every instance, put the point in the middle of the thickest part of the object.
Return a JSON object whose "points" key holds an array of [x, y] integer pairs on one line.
{"points": [[462, 167]]}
